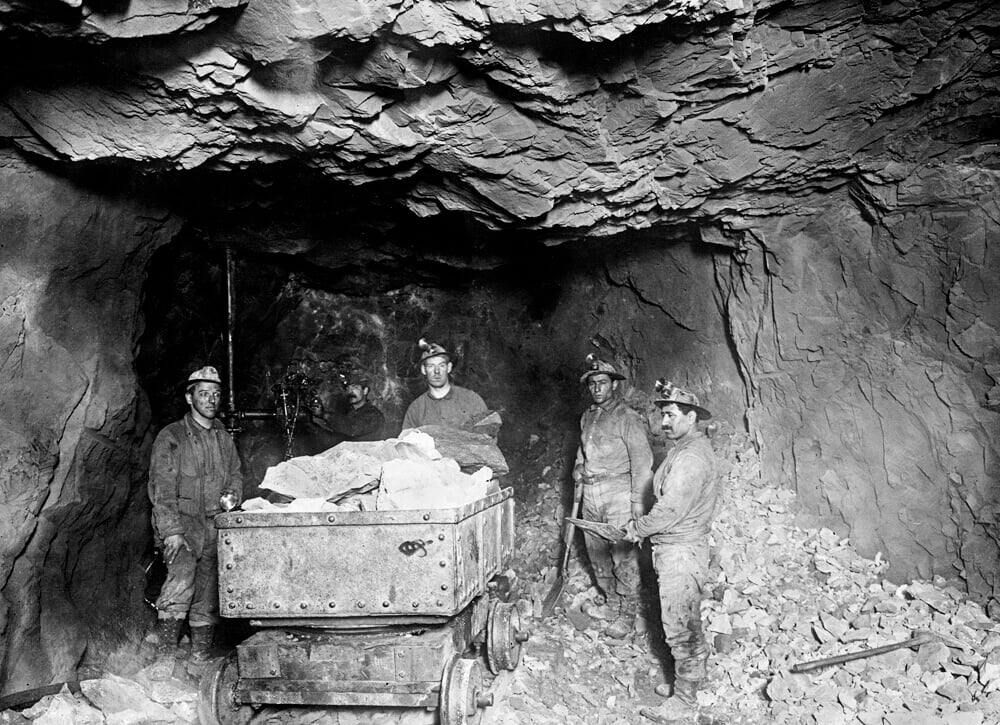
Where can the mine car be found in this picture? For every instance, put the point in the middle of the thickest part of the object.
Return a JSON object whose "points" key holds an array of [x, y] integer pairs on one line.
{"points": [[378, 609]]}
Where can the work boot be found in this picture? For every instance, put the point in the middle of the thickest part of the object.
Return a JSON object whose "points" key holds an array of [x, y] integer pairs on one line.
{"points": [[681, 707], [624, 624], [167, 633], [201, 642]]}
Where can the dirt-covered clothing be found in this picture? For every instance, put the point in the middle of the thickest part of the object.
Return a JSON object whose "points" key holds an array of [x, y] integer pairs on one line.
{"points": [[615, 464], [459, 408], [686, 487], [191, 587], [681, 573], [616, 566], [190, 468], [365, 423], [614, 447]]}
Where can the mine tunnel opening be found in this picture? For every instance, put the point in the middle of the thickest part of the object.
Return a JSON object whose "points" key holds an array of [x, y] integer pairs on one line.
{"points": [[520, 324]]}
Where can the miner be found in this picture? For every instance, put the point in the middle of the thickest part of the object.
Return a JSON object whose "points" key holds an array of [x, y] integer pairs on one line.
{"points": [[358, 419], [444, 403], [614, 466], [194, 474], [686, 489]]}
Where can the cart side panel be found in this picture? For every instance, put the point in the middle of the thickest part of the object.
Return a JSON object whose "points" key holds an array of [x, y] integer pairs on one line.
{"points": [[292, 565], [338, 571]]}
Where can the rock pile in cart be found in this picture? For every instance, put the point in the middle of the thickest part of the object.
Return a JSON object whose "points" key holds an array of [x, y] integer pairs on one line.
{"points": [[779, 595]]}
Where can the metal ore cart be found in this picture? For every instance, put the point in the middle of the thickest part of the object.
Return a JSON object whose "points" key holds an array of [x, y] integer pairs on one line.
{"points": [[365, 609]]}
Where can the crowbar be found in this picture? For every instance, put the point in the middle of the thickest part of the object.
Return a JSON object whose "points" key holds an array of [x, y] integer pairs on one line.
{"points": [[919, 637]]}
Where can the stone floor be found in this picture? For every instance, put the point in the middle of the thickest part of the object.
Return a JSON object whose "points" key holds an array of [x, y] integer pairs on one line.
{"points": [[779, 595]]}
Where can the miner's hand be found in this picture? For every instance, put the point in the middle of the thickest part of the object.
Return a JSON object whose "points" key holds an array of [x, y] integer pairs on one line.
{"points": [[630, 532], [172, 546], [637, 511], [316, 407]]}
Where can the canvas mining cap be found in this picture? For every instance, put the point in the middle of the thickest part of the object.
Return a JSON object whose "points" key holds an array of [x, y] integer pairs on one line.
{"points": [[668, 393], [207, 374], [431, 349], [596, 366]]}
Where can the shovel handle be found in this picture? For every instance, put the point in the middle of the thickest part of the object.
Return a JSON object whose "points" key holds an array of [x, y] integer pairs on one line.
{"points": [[568, 526]]}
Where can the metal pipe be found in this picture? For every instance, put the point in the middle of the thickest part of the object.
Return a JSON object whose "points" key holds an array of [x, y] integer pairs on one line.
{"points": [[230, 304]]}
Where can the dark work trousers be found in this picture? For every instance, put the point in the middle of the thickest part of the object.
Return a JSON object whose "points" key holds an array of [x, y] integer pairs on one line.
{"points": [[192, 586]]}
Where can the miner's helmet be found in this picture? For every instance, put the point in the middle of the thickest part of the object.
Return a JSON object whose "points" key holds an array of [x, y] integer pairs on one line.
{"points": [[596, 366], [431, 349], [667, 393], [356, 376], [207, 374]]}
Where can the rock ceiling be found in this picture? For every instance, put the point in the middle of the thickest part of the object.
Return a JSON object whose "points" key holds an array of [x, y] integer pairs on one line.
{"points": [[570, 118]]}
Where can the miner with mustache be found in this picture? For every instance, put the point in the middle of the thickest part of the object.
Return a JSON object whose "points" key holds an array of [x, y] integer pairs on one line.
{"points": [[686, 486], [359, 419]]}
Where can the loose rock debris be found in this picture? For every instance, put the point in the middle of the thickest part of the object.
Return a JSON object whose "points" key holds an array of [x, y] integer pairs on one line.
{"points": [[779, 595]]}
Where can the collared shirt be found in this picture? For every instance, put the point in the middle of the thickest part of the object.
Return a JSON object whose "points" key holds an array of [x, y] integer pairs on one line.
{"points": [[457, 409], [686, 486], [614, 446], [190, 468]]}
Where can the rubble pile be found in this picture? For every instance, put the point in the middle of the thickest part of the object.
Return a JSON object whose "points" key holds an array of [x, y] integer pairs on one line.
{"points": [[408, 472], [779, 595]]}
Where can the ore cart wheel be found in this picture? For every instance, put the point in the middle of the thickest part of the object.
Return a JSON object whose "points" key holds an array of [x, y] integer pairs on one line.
{"points": [[503, 637], [217, 703], [463, 696]]}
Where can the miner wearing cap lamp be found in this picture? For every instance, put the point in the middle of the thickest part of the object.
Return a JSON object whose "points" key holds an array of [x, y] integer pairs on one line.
{"points": [[443, 403], [194, 474], [686, 489], [359, 420], [614, 467]]}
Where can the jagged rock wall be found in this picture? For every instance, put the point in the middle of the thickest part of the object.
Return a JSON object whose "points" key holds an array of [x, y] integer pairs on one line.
{"points": [[868, 334], [70, 278]]}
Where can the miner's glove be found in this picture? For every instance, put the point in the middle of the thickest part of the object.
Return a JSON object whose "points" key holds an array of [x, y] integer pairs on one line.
{"points": [[172, 546]]}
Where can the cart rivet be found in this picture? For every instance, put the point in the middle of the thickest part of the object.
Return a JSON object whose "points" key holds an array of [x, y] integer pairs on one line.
{"points": [[249, 605], [440, 537], [331, 518], [332, 605], [385, 603], [440, 603], [427, 517], [230, 565], [400, 675], [444, 587], [276, 605], [239, 519], [443, 563], [274, 671], [232, 605], [361, 605], [228, 540], [303, 605], [416, 604], [229, 589]]}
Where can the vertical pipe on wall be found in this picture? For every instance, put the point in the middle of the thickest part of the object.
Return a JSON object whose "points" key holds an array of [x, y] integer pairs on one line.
{"points": [[230, 304]]}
